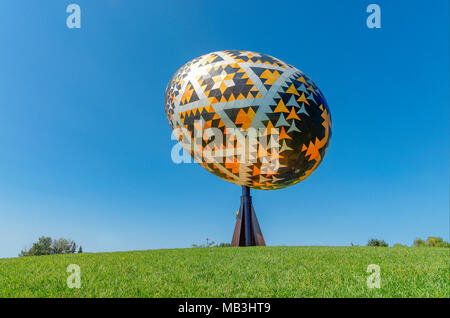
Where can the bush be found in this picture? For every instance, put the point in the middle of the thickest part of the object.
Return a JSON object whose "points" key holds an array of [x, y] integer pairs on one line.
{"points": [[436, 242], [377, 242], [42, 247], [431, 242], [419, 242]]}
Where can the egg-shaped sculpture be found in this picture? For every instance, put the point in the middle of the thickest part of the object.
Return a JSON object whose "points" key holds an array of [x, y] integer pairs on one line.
{"points": [[249, 118]]}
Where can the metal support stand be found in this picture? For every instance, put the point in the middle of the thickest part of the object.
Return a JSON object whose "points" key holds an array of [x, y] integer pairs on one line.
{"points": [[247, 231]]}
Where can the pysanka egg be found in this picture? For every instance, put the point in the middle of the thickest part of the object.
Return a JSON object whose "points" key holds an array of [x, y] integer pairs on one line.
{"points": [[249, 118]]}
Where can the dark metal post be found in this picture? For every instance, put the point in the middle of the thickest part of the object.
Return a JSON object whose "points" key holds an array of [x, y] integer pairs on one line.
{"points": [[247, 215], [247, 231]]}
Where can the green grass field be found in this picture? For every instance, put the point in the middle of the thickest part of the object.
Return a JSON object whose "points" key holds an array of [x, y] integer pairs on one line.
{"points": [[233, 272]]}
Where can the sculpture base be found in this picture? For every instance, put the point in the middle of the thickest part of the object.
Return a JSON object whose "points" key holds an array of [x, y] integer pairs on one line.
{"points": [[247, 231]]}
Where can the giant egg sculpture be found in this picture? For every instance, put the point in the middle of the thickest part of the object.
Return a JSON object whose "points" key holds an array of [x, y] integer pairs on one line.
{"points": [[249, 118]]}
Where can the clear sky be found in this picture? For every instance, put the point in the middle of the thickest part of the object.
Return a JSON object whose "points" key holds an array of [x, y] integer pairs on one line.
{"points": [[85, 143]]}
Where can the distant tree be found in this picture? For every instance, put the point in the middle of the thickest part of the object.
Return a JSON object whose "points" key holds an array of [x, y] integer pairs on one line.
{"points": [[418, 242], [46, 246], [436, 242], [42, 247], [431, 242], [399, 245], [63, 246], [73, 247], [377, 242], [222, 245], [80, 250]]}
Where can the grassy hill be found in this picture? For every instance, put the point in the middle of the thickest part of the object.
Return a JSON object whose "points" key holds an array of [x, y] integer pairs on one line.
{"points": [[233, 272]]}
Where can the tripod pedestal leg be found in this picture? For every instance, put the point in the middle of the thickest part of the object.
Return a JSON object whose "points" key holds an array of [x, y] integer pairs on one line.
{"points": [[247, 231]]}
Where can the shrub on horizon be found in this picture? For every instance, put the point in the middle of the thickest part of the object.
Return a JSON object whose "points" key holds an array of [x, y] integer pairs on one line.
{"points": [[377, 242]]}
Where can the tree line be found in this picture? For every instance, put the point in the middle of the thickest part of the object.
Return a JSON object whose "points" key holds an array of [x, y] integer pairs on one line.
{"points": [[418, 242], [48, 246]]}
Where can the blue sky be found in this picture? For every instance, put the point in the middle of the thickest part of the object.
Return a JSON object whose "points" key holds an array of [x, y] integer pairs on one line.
{"points": [[85, 144]]}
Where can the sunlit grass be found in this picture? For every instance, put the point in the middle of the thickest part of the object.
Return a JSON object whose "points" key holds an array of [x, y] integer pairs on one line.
{"points": [[233, 272]]}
